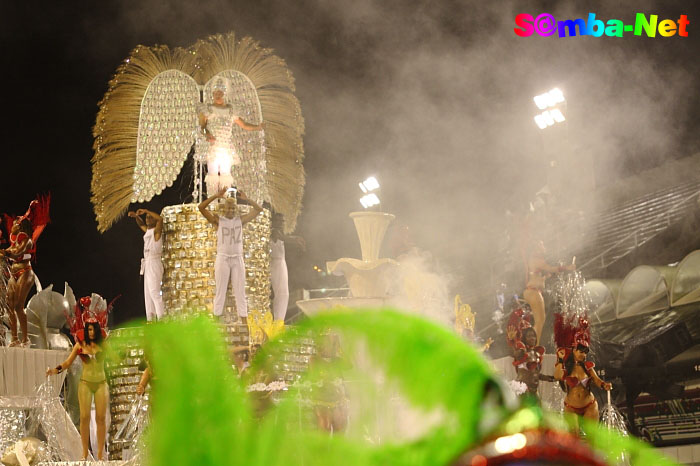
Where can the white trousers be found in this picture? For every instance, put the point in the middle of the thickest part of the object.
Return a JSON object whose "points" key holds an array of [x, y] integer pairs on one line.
{"points": [[152, 278], [230, 268], [280, 286]]}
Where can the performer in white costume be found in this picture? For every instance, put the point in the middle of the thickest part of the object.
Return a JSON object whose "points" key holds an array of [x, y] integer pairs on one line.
{"points": [[279, 276], [229, 266], [151, 264], [216, 121]]}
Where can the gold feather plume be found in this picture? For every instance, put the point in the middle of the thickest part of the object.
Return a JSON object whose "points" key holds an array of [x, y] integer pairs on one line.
{"points": [[274, 84], [117, 124], [116, 127]]}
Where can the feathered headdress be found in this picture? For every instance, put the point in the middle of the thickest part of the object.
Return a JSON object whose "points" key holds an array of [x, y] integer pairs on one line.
{"points": [[569, 333], [89, 309], [521, 319], [37, 214]]}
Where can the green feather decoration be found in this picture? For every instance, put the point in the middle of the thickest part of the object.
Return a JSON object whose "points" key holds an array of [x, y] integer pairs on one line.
{"points": [[411, 393]]}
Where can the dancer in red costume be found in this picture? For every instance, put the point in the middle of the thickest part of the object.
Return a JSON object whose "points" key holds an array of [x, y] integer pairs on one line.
{"points": [[4, 279], [24, 233], [572, 370], [527, 354], [88, 327]]}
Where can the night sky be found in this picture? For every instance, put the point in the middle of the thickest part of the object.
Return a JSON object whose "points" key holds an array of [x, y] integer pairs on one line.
{"points": [[434, 98]]}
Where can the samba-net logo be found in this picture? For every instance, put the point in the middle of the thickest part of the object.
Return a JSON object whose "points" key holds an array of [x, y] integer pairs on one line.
{"points": [[546, 25]]}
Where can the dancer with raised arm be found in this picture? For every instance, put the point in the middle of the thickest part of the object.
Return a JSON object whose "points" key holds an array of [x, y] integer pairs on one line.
{"points": [[537, 270], [229, 266], [151, 264], [24, 233]]}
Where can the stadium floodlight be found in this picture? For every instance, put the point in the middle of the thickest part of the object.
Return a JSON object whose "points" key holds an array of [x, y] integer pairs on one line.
{"points": [[369, 185], [541, 123], [369, 200], [549, 99], [557, 115], [549, 118]]}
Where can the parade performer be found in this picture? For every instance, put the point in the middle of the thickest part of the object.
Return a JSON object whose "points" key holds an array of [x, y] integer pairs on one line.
{"points": [[229, 266], [537, 270], [216, 122], [88, 327], [4, 279], [151, 264], [527, 355], [279, 275], [572, 370], [24, 233]]}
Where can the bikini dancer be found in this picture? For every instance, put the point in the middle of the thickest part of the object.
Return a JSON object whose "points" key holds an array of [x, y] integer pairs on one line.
{"points": [[24, 233], [88, 328], [537, 271], [575, 373]]}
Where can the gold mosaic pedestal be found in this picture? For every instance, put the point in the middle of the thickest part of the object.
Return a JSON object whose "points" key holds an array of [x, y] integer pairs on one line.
{"points": [[189, 252], [124, 375]]}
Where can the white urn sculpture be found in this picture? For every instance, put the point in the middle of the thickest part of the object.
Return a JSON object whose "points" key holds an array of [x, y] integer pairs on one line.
{"points": [[366, 277]]}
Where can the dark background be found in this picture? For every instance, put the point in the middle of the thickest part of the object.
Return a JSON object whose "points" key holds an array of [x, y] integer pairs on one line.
{"points": [[434, 98]]}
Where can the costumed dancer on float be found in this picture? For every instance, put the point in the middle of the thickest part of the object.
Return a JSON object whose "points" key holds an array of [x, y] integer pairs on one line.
{"points": [[279, 276], [216, 121], [572, 370], [537, 270], [527, 354], [24, 233], [4, 279], [151, 264], [229, 266], [89, 328]]}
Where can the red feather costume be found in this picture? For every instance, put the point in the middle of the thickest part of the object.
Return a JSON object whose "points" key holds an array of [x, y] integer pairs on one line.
{"points": [[38, 216], [89, 309]]}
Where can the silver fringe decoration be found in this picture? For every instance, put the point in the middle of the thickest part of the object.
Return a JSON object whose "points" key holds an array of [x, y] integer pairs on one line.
{"points": [[611, 418], [43, 415], [571, 299]]}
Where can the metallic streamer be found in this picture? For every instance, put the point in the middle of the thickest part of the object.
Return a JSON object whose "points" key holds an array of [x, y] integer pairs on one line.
{"points": [[135, 422], [12, 422], [46, 413], [611, 418]]}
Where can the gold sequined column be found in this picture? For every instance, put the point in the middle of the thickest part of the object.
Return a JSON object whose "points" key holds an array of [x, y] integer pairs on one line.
{"points": [[189, 252]]}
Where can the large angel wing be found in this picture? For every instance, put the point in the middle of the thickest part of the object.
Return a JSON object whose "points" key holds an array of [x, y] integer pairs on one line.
{"points": [[248, 175], [118, 130], [167, 129], [151, 76], [274, 87]]}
